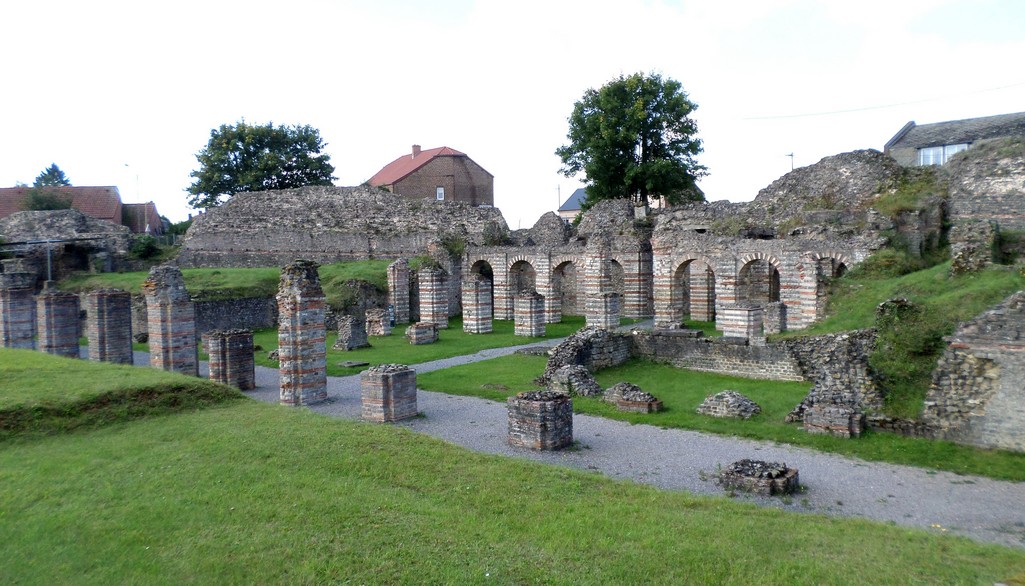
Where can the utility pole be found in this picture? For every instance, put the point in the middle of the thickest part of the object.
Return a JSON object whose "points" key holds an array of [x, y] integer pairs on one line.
{"points": [[791, 155]]}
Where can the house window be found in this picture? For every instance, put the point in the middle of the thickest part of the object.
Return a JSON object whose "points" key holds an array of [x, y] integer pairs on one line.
{"points": [[938, 155], [441, 194]]}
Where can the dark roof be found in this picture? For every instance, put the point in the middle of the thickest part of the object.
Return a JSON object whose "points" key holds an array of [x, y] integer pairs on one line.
{"points": [[575, 201], [401, 167], [958, 131], [103, 203], [139, 216]]}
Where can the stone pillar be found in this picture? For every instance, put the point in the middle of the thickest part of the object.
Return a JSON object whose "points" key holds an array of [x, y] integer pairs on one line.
{"points": [[529, 319], [351, 334], [231, 358], [667, 313], [477, 308], [603, 310], [378, 323], [57, 315], [702, 293], [109, 325], [775, 317], [17, 310], [637, 284], [433, 297], [302, 344], [398, 290], [388, 393], [742, 321], [540, 420], [503, 296], [170, 321]]}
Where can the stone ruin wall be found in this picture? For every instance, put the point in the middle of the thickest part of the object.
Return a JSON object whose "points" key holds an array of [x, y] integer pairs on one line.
{"points": [[987, 183]]}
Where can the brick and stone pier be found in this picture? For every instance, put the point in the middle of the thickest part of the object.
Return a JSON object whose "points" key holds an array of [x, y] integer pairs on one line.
{"points": [[433, 297], [302, 335], [422, 332], [17, 310], [109, 325], [231, 358], [477, 305], [352, 334], [57, 321], [398, 290], [388, 393], [529, 316], [171, 321], [603, 310], [742, 321], [541, 420]]}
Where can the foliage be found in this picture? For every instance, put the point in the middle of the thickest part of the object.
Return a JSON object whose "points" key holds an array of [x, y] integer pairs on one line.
{"points": [[52, 176], [179, 228], [634, 138], [244, 157], [914, 187], [455, 245], [45, 198], [144, 248]]}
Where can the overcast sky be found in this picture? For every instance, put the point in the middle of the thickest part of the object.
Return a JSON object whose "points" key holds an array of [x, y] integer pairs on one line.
{"points": [[126, 93]]}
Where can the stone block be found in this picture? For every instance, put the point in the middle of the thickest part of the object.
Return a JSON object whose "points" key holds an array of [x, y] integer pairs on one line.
{"points": [[422, 333], [109, 325], [351, 334], [57, 316], [529, 315], [388, 393], [231, 358], [378, 323], [761, 478], [540, 420]]}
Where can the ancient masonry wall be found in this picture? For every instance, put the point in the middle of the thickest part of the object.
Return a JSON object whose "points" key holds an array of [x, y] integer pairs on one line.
{"points": [[529, 319], [171, 321], [687, 349], [477, 305], [433, 297], [17, 310], [58, 321], [378, 323], [109, 325], [231, 358], [740, 321], [302, 334], [388, 393], [398, 290]]}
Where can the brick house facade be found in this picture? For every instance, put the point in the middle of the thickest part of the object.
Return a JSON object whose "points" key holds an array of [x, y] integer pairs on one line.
{"points": [[442, 174]]}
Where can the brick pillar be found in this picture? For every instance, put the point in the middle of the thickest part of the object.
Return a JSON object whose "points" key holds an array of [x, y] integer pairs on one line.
{"points": [[775, 317], [170, 321], [529, 319], [742, 321], [664, 282], [231, 358], [702, 293], [57, 321], [398, 290], [109, 325], [540, 420], [433, 297], [477, 308], [637, 284], [17, 310], [603, 310], [388, 393], [302, 345]]}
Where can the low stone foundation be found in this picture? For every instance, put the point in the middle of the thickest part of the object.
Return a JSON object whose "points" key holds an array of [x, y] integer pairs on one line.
{"points": [[231, 358], [729, 404], [761, 478], [541, 420], [574, 379], [388, 393], [422, 333], [839, 420]]}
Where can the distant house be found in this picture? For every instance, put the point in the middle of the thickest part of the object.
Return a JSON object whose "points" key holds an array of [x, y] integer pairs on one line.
{"points": [[143, 218], [574, 203], [442, 174], [102, 203], [933, 144]]}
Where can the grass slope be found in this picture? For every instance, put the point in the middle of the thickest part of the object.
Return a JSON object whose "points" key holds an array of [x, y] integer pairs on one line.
{"points": [[254, 493]]}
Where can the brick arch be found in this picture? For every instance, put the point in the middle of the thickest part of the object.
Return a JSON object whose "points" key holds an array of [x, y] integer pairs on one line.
{"points": [[566, 295], [752, 287], [675, 262], [521, 279], [838, 256], [695, 297], [750, 257]]}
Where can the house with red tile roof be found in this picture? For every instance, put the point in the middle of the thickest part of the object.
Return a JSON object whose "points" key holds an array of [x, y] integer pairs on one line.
{"points": [[102, 203], [442, 174]]}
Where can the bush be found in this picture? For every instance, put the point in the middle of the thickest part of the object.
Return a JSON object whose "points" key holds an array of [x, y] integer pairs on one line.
{"points": [[145, 248], [43, 199]]}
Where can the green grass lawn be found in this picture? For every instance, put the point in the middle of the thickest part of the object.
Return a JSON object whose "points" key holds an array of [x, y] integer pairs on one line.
{"points": [[681, 391], [245, 492]]}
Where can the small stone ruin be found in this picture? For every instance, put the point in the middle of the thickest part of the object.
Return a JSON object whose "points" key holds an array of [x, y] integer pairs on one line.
{"points": [[630, 398], [540, 420], [351, 334], [378, 322], [423, 332], [388, 393], [729, 404], [758, 477], [574, 379]]}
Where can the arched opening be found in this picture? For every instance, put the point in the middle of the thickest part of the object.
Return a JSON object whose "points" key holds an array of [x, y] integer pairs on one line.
{"points": [[617, 278], [522, 277], [565, 286], [827, 269], [758, 283], [483, 268]]}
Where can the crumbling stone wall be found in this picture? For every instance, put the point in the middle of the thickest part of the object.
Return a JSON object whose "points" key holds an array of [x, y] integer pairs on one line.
{"points": [[590, 347], [987, 183], [690, 349], [102, 245], [977, 396]]}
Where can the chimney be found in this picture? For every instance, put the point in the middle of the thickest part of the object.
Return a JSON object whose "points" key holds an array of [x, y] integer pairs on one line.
{"points": [[416, 150]]}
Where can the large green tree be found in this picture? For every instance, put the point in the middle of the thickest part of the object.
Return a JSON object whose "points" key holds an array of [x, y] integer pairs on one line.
{"points": [[634, 138], [45, 194], [51, 176], [244, 157]]}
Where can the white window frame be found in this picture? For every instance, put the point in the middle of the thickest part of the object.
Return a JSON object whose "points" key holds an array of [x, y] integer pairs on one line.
{"points": [[938, 155], [440, 193]]}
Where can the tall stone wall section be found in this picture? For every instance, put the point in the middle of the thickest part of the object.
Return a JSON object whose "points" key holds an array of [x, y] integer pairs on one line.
{"points": [[109, 325], [57, 316], [398, 290], [302, 335], [529, 320], [171, 321], [977, 396], [477, 305], [433, 296], [17, 310]]}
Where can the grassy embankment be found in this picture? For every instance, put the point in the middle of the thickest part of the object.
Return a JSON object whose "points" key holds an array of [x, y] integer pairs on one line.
{"points": [[244, 492]]}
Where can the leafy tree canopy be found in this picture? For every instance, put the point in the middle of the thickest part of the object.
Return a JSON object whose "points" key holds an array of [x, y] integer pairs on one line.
{"points": [[244, 157], [634, 138], [50, 177]]}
